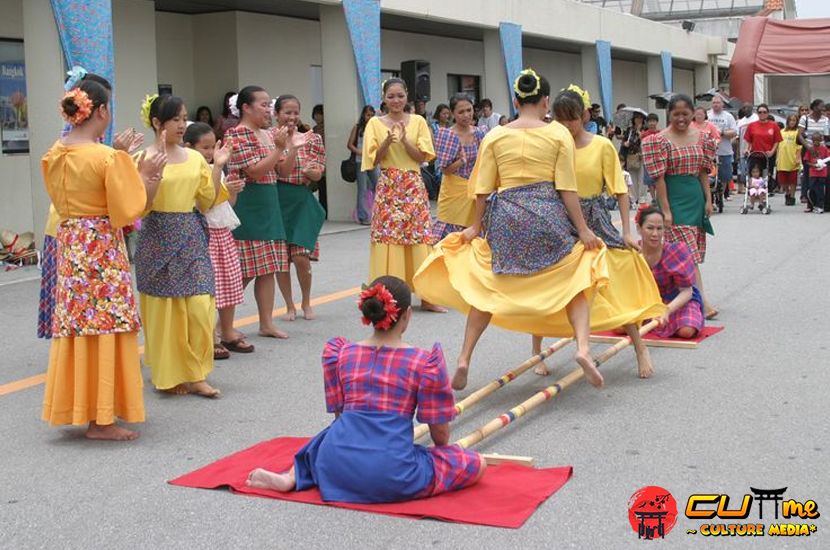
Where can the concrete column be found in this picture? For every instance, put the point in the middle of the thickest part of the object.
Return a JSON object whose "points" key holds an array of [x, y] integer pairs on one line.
{"points": [[590, 76], [703, 78], [341, 96], [654, 67], [44, 84], [494, 85]]}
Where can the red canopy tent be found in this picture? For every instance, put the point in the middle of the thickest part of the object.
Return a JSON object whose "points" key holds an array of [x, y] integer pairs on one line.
{"points": [[770, 46]]}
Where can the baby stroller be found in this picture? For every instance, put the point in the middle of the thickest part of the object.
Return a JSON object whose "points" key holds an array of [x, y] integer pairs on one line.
{"points": [[759, 158], [716, 188]]}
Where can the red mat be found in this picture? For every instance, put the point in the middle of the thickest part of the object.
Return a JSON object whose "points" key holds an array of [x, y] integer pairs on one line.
{"points": [[506, 496], [701, 336]]}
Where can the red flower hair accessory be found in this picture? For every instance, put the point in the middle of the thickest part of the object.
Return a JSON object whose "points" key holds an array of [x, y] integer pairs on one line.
{"points": [[639, 213], [82, 102], [390, 306]]}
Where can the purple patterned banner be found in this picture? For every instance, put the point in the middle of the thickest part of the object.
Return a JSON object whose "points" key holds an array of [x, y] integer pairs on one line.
{"points": [[363, 20], [85, 30], [511, 47]]}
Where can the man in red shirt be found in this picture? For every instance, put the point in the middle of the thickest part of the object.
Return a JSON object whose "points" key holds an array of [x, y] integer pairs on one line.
{"points": [[763, 136]]}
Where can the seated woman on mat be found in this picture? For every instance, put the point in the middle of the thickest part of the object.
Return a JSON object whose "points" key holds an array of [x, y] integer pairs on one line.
{"points": [[673, 267], [373, 387]]}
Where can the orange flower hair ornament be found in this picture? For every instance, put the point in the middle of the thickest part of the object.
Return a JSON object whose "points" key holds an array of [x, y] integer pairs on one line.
{"points": [[390, 306], [82, 101]]}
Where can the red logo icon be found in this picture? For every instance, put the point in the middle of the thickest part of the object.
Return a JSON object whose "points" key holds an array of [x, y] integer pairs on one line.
{"points": [[652, 512]]}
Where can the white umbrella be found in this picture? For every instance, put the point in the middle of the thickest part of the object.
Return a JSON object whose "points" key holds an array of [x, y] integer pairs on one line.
{"points": [[622, 118]]}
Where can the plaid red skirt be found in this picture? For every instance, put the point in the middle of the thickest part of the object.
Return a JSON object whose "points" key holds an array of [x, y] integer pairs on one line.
{"points": [[227, 271], [313, 255], [694, 237], [455, 468], [262, 257]]}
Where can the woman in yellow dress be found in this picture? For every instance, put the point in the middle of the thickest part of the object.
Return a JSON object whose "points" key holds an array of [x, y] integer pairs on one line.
{"points": [[401, 236], [173, 270], [539, 264], [94, 371], [632, 295]]}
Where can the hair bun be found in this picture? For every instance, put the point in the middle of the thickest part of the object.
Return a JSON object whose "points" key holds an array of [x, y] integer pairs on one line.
{"points": [[70, 108], [373, 310], [528, 83]]}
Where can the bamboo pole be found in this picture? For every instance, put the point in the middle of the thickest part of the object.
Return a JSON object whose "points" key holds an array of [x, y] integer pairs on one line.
{"points": [[548, 393], [422, 429]]}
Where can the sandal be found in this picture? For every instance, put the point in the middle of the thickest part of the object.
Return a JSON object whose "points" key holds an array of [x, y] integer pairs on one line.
{"points": [[234, 346], [220, 352]]}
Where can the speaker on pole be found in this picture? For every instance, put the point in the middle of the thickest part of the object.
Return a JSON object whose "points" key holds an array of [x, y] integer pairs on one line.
{"points": [[416, 75]]}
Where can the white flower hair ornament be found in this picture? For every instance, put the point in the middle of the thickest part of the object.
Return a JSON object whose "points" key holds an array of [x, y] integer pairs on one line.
{"points": [[232, 105]]}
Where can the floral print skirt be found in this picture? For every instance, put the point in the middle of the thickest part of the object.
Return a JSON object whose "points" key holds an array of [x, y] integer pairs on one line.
{"points": [[400, 214], [94, 293]]}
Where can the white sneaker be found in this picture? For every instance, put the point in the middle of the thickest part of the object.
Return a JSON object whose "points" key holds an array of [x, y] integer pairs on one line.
{"points": [[818, 210]]}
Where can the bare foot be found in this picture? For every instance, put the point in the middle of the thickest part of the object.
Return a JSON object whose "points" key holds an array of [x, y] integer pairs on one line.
{"points": [[711, 313], [308, 313], [542, 369], [459, 379], [426, 306], [112, 432], [273, 332], [290, 316], [263, 479], [181, 389], [644, 366], [203, 389], [589, 367]]}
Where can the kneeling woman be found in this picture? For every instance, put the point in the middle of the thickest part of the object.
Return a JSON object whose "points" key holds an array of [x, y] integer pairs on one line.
{"points": [[374, 387], [673, 266]]}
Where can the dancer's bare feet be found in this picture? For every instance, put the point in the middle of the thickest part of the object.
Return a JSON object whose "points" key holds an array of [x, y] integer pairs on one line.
{"points": [[181, 389], [589, 367], [263, 479], [427, 306], [644, 366], [272, 332], [203, 389], [112, 432], [291, 315], [542, 369], [308, 313], [459, 379]]}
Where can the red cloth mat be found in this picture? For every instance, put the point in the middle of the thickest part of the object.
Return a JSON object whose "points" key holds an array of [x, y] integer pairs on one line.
{"points": [[701, 336], [506, 496]]}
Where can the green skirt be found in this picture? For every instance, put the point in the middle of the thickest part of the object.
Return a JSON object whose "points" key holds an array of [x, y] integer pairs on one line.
{"points": [[301, 213], [687, 202], [258, 210]]}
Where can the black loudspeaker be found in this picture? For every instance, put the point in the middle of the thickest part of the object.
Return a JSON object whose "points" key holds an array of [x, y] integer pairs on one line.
{"points": [[416, 75]]}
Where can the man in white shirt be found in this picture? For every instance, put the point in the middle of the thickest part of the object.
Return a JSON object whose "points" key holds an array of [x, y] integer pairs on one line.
{"points": [[728, 129], [488, 119]]}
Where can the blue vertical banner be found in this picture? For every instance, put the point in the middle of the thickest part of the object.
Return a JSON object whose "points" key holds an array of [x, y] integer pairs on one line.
{"points": [[363, 20], [511, 48], [665, 58], [606, 80], [85, 31]]}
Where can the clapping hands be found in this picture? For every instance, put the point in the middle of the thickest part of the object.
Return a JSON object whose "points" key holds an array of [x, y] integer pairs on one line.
{"points": [[128, 141], [222, 152]]}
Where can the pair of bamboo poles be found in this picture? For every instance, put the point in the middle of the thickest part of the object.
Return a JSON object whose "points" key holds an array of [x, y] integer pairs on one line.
{"points": [[507, 418]]}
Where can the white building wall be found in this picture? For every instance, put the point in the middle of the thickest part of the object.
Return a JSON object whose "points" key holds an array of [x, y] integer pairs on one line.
{"points": [[15, 180], [630, 83], [215, 59], [174, 55], [683, 81], [560, 68]]}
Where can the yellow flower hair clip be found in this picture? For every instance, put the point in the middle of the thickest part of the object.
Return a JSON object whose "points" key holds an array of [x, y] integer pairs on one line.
{"points": [[145, 110], [586, 99], [534, 91]]}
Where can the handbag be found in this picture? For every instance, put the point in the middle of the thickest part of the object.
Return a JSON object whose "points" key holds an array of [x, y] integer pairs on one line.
{"points": [[633, 161], [348, 169]]}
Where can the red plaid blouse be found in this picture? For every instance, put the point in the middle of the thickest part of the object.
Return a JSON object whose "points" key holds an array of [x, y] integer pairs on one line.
{"points": [[448, 149], [676, 268], [249, 150], [662, 158], [310, 154], [393, 380]]}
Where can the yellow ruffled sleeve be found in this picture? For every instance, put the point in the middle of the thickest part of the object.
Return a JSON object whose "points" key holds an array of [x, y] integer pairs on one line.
{"points": [[612, 169], [485, 177], [564, 170], [206, 192], [125, 191], [370, 145], [424, 139]]}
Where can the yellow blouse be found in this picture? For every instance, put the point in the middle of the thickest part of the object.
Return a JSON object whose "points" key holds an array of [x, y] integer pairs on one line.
{"points": [[417, 133], [789, 152], [513, 157], [598, 166], [186, 184], [93, 180]]}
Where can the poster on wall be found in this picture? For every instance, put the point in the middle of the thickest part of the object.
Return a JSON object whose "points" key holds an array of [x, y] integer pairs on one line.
{"points": [[14, 113]]}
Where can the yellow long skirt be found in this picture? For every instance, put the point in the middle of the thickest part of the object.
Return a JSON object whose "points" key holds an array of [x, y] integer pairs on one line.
{"points": [[455, 205], [460, 275], [631, 296], [178, 338], [398, 260], [94, 378]]}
